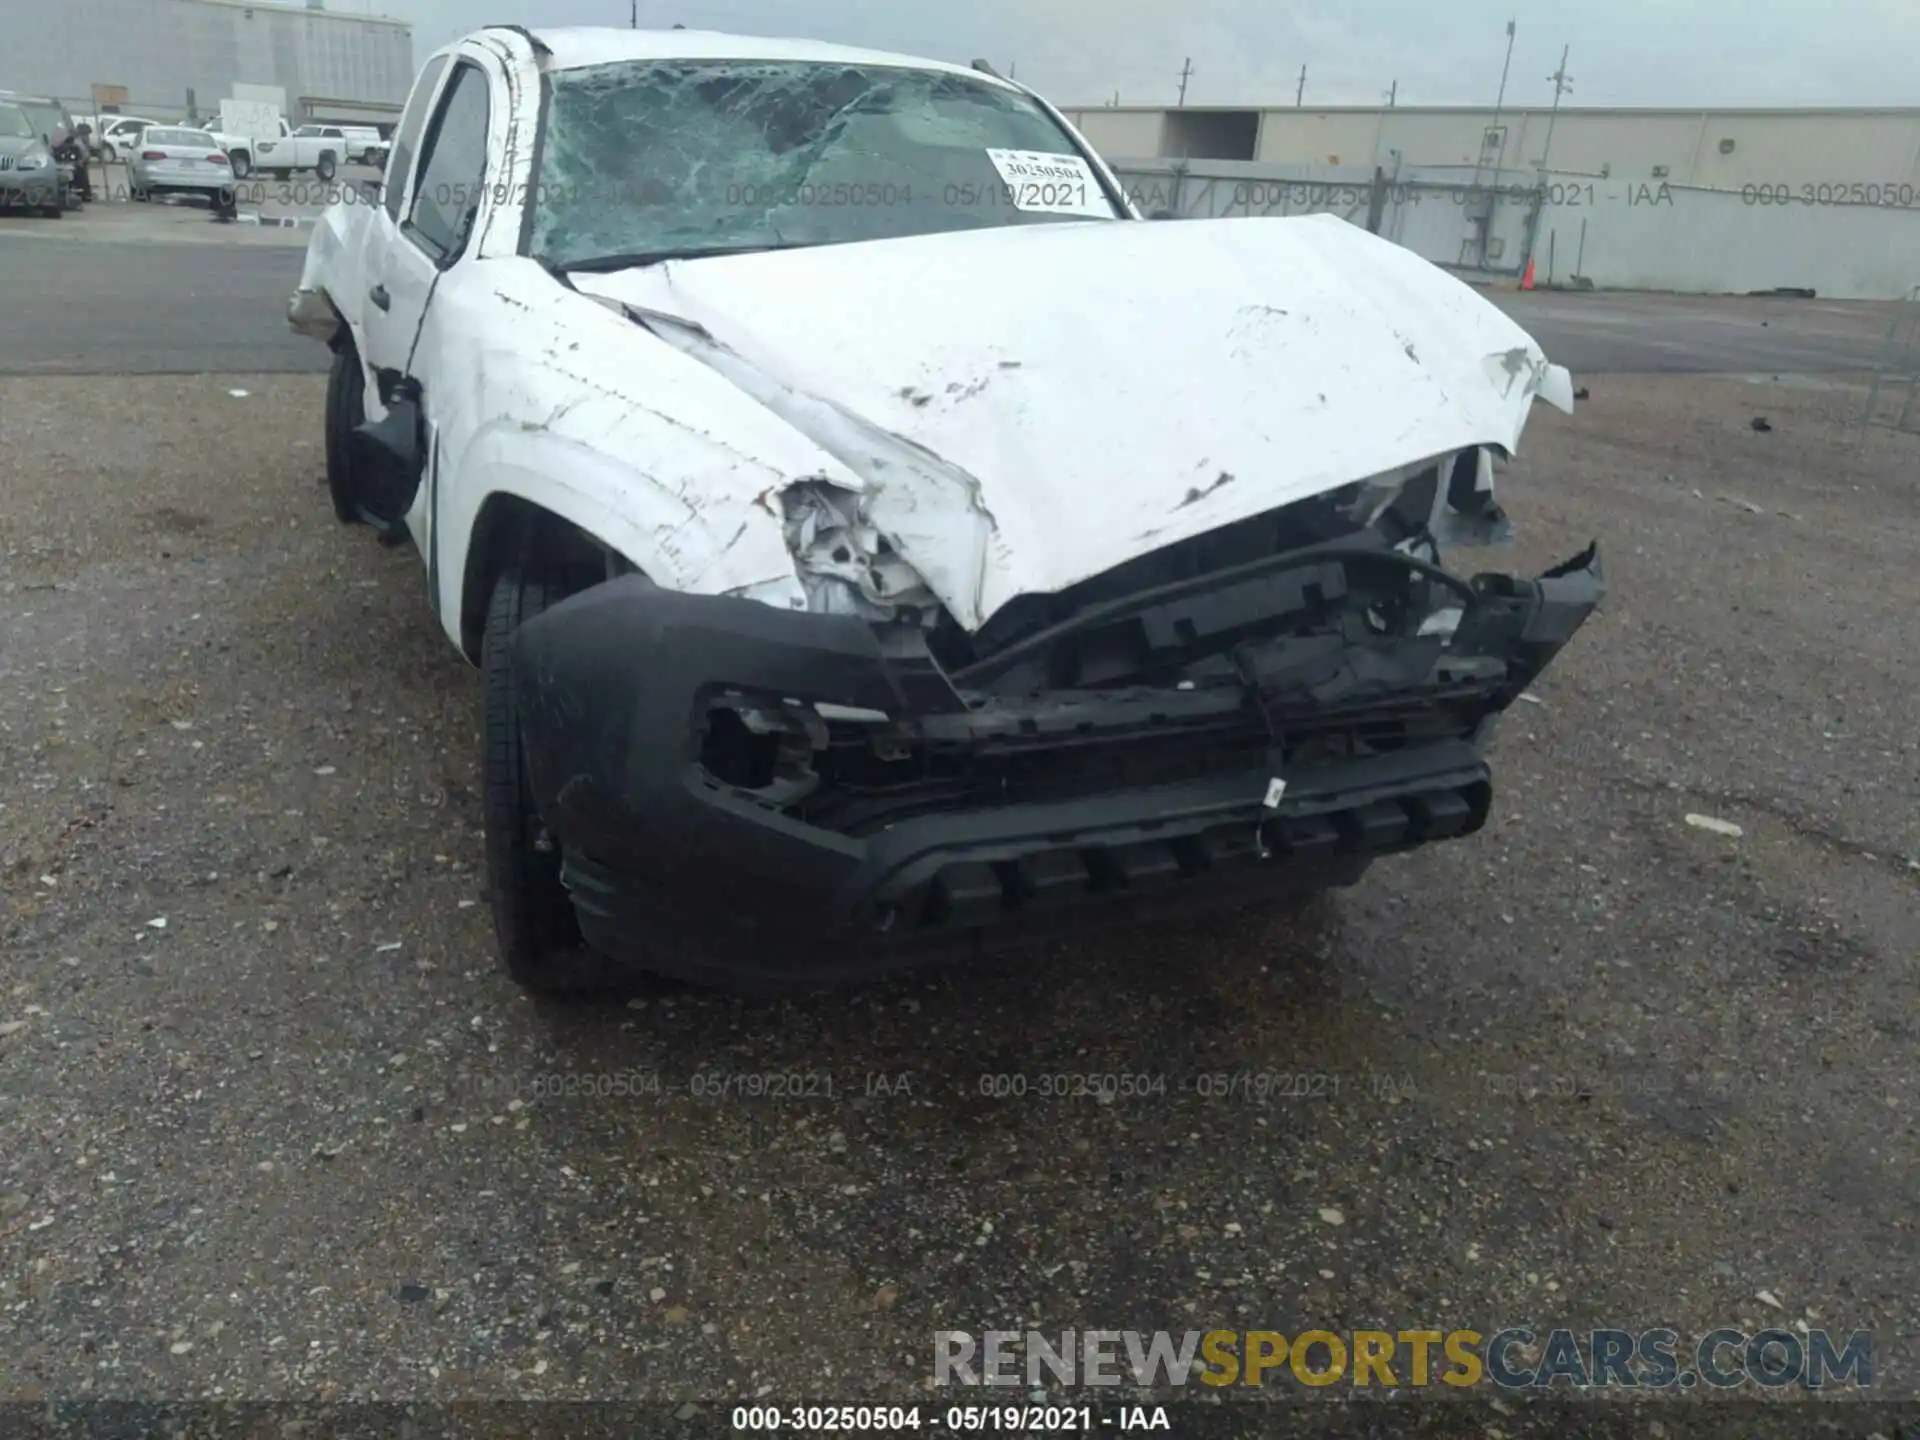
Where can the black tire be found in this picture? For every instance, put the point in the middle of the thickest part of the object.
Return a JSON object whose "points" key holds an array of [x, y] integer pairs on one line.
{"points": [[346, 408], [533, 919], [242, 164], [53, 212], [324, 169]]}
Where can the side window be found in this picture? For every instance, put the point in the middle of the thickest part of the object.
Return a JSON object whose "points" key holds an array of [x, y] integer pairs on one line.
{"points": [[406, 139], [453, 166]]}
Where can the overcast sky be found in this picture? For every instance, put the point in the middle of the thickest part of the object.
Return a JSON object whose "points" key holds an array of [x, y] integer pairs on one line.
{"points": [[1624, 52]]}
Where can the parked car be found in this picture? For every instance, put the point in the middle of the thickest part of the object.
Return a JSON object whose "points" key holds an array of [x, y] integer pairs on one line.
{"points": [[360, 140], [180, 160], [29, 175], [114, 135], [54, 124], [239, 149], [877, 540], [247, 153], [319, 148]]}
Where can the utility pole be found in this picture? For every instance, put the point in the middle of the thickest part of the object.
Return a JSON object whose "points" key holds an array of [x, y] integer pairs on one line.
{"points": [[633, 16], [1500, 100], [1562, 83], [1484, 222], [1186, 69], [1013, 68], [1301, 89], [1393, 94]]}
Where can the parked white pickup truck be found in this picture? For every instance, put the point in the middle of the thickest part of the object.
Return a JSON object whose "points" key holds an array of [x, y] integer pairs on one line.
{"points": [[319, 148], [756, 409]]}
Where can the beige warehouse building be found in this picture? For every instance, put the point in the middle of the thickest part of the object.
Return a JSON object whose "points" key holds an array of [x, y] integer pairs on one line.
{"points": [[1713, 149], [162, 58], [1822, 201]]}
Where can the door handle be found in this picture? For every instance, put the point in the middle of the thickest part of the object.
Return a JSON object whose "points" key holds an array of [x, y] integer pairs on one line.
{"points": [[380, 297]]}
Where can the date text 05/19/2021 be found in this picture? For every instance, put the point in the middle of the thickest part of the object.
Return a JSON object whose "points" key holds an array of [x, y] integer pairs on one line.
{"points": [[950, 1419]]}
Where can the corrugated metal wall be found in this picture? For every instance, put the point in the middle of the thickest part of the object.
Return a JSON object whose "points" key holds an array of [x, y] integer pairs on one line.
{"points": [[1715, 149], [1625, 235], [159, 49]]}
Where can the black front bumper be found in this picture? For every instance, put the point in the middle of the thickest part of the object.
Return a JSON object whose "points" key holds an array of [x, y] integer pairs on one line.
{"points": [[676, 870]]}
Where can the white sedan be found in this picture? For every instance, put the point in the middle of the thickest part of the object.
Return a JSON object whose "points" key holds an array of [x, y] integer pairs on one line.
{"points": [[180, 161], [115, 136], [877, 540]]}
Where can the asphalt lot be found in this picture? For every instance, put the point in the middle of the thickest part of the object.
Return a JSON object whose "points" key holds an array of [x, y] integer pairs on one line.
{"points": [[139, 289], [272, 1125]]}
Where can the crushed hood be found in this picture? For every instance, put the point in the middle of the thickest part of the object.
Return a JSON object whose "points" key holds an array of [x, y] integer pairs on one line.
{"points": [[1028, 407]]}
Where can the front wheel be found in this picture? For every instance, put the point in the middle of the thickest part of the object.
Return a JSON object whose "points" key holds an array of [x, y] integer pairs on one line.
{"points": [[324, 167], [108, 155], [533, 920], [242, 164], [346, 410]]}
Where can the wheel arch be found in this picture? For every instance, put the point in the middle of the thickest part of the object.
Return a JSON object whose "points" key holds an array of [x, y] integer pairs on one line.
{"points": [[511, 528]]}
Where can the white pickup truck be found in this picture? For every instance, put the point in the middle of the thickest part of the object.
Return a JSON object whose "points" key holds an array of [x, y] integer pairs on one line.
{"points": [[319, 148], [762, 474], [283, 150]]}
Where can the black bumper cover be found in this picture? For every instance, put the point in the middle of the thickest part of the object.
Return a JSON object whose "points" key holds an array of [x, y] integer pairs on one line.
{"points": [[674, 870]]}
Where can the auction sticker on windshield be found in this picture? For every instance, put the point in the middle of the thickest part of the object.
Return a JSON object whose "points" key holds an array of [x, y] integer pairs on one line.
{"points": [[1056, 184]]}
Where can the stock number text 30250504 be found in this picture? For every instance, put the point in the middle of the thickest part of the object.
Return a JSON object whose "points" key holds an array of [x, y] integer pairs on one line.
{"points": [[959, 1419]]}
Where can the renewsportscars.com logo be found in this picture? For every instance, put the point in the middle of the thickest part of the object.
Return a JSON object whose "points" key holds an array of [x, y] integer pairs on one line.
{"points": [[1512, 1359]]}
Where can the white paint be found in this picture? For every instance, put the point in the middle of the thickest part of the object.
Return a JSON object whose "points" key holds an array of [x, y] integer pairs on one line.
{"points": [[994, 368], [573, 47], [970, 389]]}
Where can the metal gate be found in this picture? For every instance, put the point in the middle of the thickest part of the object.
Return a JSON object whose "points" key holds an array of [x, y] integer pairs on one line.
{"points": [[1893, 402], [1479, 225]]}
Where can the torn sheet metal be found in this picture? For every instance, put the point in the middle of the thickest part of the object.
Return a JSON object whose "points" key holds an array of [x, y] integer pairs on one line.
{"points": [[846, 563], [1032, 406]]}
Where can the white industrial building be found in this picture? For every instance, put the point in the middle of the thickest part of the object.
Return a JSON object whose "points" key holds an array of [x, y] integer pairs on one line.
{"points": [[169, 58], [1717, 149], [1698, 201]]}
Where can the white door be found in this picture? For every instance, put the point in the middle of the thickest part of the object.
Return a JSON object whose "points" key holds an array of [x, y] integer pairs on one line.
{"points": [[392, 262], [437, 208]]}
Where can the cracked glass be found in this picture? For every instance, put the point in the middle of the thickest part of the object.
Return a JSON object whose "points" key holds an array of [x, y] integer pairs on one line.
{"points": [[650, 158]]}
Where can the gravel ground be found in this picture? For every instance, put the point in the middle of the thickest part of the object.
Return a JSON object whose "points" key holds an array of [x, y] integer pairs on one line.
{"points": [[273, 1126]]}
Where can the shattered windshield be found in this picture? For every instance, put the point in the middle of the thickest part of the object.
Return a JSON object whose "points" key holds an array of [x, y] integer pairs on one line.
{"points": [[651, 158]]}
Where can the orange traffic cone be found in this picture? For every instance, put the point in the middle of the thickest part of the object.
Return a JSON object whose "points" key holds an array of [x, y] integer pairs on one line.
{"points": [[1526, 280]]}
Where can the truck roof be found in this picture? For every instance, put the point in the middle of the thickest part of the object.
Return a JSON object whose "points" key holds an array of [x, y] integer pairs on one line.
{"points": [[572, 47]]}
